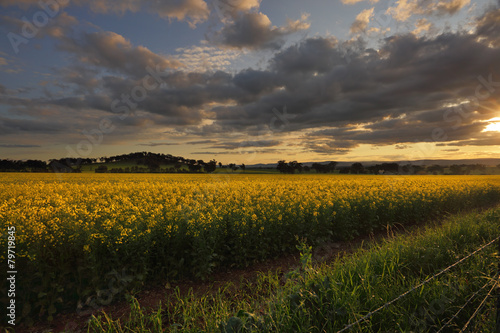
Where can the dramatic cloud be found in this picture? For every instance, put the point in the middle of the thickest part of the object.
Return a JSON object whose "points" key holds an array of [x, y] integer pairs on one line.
{"points": [[254, 30], [321, 94], [112, 51]]}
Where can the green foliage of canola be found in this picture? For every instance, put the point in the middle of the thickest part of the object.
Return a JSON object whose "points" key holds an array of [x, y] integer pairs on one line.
{"points": [[83, 239]]}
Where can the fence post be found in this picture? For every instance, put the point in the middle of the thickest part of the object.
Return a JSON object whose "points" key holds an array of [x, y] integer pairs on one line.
{"points": [[497, 328]]}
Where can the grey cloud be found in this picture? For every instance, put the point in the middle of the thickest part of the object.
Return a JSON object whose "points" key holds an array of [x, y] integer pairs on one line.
{"points": [[156, 144], [18, 146], [397, 94], [255, 31], [313, 54], [489, 26], [245, 144], [201, 142], [113, 52], [15, 126]]}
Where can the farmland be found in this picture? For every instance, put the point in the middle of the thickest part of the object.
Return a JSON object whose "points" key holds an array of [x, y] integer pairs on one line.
{"points": [[78, 233]]}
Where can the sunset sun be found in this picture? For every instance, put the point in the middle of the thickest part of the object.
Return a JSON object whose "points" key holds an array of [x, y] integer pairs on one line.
{"points": [[493, 125]]}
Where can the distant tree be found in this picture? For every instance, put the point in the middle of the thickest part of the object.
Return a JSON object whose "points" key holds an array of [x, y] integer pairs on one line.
{"points": [[210, 166], [324, 168], [220, 164], [101, 169], [435, 169], [357, 168], [417, 169], [456, 169], [289, 167], [331, 166], [390, 167], [242, 166], [344, 170], [318, 167], [282, 166]]}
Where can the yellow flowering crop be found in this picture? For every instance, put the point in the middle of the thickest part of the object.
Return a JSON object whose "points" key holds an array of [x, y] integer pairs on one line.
{"points": [[74, 229]]}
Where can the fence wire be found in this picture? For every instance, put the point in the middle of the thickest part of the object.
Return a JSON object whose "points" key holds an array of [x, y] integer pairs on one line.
{"points": [[478, 308], [369, 314], [463, 307]]}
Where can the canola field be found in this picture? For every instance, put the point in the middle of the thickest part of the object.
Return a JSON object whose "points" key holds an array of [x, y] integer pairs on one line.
{"points": [[84, 238]]}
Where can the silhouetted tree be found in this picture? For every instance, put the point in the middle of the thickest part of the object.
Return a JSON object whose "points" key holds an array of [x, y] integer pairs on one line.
{"points": [[357, 168], [211, 166]]}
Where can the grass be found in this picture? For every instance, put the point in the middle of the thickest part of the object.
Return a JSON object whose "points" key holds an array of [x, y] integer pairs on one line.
{"points": [[325, 297]]}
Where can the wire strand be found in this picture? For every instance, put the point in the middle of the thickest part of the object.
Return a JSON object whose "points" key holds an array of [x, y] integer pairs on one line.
{"points": [[369, 314], [463, 307], [478, 308]]}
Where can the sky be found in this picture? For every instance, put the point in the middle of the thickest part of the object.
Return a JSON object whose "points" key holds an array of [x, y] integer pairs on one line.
{"points": [[250, 81]]}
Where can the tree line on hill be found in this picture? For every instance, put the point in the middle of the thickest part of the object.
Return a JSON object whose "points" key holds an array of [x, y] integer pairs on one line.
{"points": [[142, 162], [383, 168]]}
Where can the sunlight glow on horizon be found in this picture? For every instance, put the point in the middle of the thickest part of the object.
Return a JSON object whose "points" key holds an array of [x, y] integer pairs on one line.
{"points": [[493, 126]]}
